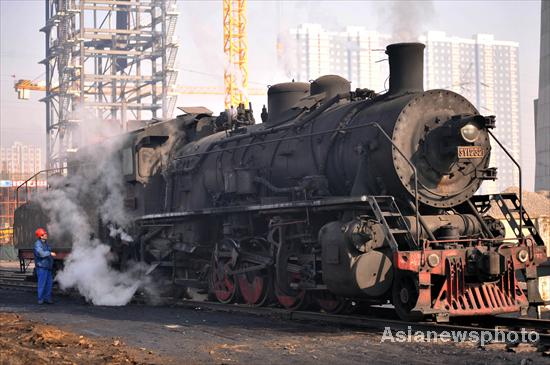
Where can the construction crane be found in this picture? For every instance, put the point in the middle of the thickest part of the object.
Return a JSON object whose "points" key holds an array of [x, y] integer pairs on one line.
{"points": [[24, 87], [235, 48], [6, 234]]}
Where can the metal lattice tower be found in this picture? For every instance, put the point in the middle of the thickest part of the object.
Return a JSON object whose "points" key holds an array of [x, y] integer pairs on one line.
{"points": [[235, 48], [111, 60]]}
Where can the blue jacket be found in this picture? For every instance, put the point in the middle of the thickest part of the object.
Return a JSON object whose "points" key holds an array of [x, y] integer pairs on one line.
{"points": [[42, 255]]}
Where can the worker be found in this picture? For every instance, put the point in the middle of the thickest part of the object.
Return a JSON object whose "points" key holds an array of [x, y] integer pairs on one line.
{"points": [[43, 262]]}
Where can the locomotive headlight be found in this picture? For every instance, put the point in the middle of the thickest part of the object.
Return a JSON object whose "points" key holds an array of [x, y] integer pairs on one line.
{"points": [[470, 132]]}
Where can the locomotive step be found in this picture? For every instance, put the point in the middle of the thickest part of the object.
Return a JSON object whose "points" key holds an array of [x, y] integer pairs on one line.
{"points": [[399, 231], [527, 226], [509, 196], [516, 210], [390, 214]]}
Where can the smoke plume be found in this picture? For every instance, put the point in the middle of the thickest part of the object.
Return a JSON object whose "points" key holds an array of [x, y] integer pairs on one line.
{"points": [[75, 205], [407, 19]]}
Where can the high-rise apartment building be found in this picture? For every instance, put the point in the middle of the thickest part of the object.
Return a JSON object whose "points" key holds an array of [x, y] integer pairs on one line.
{"points": [[486, 71], [542, 113], [312, 45], [17, 163], [354, 53], [20, 161], [364, 62]]}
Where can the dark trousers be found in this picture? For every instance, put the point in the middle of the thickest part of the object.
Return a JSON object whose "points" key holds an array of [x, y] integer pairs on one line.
{"points": [[45, 283]]}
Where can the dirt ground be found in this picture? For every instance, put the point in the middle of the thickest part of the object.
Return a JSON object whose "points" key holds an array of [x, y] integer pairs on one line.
{"points": [[72, 332], [26, 342]]}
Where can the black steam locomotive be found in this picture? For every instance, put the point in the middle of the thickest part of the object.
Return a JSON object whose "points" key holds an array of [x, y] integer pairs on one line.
{"points": [[337, 196]]}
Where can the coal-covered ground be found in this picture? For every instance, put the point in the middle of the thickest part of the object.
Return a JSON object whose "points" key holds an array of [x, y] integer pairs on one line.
{"points": [[180, 335]]}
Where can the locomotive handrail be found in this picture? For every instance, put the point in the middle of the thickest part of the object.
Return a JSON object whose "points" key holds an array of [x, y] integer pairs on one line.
{"points": [[520, 181], [26, 182], [210, 149], [417, 213], [282, 139], [26, 187], [372, 124]]}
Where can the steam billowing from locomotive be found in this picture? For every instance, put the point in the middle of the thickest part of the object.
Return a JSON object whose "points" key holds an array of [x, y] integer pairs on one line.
{"points": [[75, 206]]}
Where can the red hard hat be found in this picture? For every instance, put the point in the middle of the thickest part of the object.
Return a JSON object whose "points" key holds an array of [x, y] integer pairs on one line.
{"points": [[40, 232]]}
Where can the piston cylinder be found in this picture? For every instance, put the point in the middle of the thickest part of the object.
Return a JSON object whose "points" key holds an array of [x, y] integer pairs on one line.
{"points": [[349, 272]]}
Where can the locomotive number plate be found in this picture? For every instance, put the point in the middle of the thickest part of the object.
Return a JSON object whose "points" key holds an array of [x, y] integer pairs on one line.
{"points": [[470, 152]]}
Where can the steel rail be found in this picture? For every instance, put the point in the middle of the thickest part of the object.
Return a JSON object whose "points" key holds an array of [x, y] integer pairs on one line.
{"points": [[377, 321], [505, 324]]}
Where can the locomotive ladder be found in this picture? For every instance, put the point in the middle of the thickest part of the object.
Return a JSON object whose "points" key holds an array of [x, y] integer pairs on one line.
{"points": [[509, 210], [394, 224]]}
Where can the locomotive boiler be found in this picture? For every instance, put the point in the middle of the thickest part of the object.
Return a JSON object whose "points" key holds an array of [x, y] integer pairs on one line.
{"points": [[338, 196]]}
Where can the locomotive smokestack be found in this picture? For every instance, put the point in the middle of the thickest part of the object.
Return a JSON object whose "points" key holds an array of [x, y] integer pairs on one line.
{"points": [[406, 67]]}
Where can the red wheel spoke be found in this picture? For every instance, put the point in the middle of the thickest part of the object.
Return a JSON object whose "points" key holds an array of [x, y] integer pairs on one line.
{"points": [[255, 286], [223, 284]]}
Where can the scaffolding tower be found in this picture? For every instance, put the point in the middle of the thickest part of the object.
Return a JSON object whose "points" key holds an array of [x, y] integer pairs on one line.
{"points": [[109, 62]]}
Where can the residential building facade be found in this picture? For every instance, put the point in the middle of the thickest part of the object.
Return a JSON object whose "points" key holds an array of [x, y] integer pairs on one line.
{"points": [[20, 161], [354, 53]]}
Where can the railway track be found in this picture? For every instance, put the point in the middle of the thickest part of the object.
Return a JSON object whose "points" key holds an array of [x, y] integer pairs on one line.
{"points": [[375, 322], [13, 280], [379, 319]]}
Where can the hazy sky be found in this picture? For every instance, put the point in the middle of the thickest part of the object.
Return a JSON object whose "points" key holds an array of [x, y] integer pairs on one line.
{"points": [[200, 56]]}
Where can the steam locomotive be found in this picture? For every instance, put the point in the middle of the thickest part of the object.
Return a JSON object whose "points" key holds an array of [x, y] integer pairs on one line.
{"points": [[337, 196]]}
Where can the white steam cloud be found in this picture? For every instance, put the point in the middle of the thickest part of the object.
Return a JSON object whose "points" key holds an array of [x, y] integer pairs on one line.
{"points": [[74, 206]]}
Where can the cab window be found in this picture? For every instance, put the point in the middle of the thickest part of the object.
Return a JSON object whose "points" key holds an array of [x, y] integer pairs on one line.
{"points": [[127, 161]]}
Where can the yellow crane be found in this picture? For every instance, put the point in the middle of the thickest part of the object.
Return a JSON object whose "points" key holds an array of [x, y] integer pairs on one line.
{"points": [[6, 234], [235, 47], [23, 88]]}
